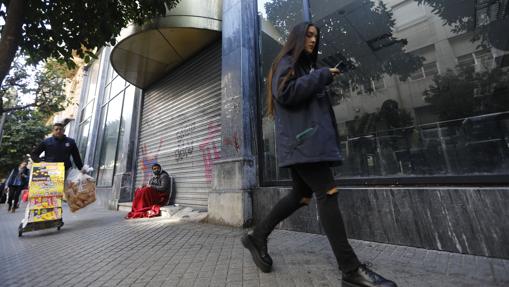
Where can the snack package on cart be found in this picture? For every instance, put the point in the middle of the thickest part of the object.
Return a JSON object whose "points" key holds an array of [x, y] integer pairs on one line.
{"points": [[45, 193], [79, 189]]}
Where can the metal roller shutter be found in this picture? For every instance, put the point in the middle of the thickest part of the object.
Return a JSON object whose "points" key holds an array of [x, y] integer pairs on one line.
{"points": [[180, 127]]}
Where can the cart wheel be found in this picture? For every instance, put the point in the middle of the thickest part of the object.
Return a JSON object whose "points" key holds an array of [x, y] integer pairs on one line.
{"points": [[20, 230], [58, 228]]}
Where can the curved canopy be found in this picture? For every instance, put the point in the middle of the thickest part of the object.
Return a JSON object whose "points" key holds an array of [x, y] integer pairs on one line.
{"points": [[144, 54]]}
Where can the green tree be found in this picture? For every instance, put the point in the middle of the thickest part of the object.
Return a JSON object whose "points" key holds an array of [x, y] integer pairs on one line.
{"points": [[25, 124], [487, 20], [359, 32], [60, 29], [468, 93], [45, 86], [386, 120], [24, 129]]}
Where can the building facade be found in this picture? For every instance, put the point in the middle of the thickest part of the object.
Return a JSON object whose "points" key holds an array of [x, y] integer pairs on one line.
{"points": [[423, 114]]}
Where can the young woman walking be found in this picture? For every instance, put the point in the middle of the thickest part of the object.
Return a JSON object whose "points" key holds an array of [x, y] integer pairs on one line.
{"points": [[308, 144]]}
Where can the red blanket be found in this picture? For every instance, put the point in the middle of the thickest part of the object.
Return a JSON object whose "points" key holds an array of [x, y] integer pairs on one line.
{"points": [[147, 202]]}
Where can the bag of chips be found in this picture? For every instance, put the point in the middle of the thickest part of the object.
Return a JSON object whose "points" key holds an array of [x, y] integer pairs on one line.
{"points": [[80, 189]]}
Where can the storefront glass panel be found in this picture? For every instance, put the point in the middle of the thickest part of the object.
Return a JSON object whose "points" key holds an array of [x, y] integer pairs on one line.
{"points": [[276, 18], [427, 91], [109, 142]]}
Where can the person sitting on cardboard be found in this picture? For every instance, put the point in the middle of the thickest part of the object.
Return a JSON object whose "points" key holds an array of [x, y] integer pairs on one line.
{"points": [[148, 199]]}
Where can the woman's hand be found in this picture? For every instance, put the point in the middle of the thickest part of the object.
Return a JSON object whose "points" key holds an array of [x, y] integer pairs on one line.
{"points": [[334, 71]]}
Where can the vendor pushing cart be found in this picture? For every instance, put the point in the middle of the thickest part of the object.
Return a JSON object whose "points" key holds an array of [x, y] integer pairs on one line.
{"points": [[46, 191]]}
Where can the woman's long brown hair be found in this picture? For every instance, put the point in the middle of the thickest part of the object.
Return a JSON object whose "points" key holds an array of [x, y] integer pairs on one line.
{"points": [[294, 46]]}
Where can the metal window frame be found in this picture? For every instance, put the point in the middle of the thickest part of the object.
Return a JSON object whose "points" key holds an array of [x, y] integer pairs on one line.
{"points": [[388, 181], [106, 106], [453, 181]]}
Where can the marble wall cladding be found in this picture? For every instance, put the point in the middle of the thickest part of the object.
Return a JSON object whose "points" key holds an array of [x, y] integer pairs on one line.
{"points": [[235, 174], [238, 78], [466, 220]]}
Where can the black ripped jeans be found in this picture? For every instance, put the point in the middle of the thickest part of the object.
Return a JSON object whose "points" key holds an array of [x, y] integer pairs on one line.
{"points": [[307, 179]]}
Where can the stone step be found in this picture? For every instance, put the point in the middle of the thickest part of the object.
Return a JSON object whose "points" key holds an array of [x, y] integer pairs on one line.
{"points": [[181, 213], [173, 212], [125, 206]]}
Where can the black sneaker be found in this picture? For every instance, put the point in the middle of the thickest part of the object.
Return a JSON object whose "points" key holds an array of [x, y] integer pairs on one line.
{"points": [[258, 251], [365, 277]]}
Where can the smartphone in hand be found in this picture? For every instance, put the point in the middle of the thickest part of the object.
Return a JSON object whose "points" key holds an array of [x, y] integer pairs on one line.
{"points": [[342, 67]]}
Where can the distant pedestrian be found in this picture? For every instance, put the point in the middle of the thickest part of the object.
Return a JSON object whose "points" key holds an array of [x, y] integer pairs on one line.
{"points": [[17, 181], [3, 191], [308, 144], [58, 148]]}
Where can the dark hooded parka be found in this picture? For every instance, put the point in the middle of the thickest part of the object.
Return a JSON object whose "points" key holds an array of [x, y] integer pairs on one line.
{"points": [[306, 128]]}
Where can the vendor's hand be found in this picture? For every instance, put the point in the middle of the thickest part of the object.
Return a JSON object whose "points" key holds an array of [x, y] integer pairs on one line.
{"points": [[334, 71]]}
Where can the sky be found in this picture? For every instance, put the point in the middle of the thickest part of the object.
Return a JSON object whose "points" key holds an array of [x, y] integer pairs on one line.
{"points": [[261, 7]]}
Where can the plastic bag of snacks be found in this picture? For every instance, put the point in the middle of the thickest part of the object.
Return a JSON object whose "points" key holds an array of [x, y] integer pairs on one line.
{"points": [[80, 188]]}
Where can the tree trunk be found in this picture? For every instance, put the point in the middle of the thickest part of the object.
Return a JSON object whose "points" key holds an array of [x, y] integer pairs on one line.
{"points": [[9, 41]]}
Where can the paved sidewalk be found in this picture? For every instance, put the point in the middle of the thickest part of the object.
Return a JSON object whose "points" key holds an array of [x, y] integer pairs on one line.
{"points": [[97, 247]]}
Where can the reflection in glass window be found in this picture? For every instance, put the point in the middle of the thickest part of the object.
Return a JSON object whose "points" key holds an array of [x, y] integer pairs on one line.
{"points": [[407, 13], [430, 92], [110, 142], [117, 85], [87, 107], [126, 118], [430, 69], [466, 61], [87, 111], [93, 74], [277, 17], [82, 140]]}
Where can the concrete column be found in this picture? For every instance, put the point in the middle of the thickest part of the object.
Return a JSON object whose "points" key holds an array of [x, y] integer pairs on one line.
{"points": [[235, 175]]}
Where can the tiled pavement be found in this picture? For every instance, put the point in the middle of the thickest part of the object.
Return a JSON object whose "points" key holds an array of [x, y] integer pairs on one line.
{"points": [[97, 247]]}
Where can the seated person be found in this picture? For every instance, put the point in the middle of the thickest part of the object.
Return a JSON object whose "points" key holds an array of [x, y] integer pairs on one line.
{"points": [[149, 198]]}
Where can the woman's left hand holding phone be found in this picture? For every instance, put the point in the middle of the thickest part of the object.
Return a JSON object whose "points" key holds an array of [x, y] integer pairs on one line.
{"points": [[334, 71]]}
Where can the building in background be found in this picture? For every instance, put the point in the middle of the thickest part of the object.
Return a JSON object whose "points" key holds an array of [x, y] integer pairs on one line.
{"points": [[73, 88], [422, 113]]}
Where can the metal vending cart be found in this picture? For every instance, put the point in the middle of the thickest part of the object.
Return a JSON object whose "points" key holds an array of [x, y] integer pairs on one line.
{"points": [[45, 193]]}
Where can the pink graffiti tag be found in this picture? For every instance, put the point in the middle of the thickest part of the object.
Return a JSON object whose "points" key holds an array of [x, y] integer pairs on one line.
{"points": [[233, 141], [208, 149], [147, 160]]}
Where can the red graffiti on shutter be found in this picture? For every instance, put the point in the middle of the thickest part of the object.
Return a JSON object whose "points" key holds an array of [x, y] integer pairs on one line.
{"points": [[209, 150], [233, 141]]}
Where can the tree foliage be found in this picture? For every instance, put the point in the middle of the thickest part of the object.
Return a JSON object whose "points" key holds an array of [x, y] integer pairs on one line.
{"points": [[488, 21], [23, 130], [43, 90], [26, 119], [60, 29], [359, 32], [469, 93], [386, 120]]}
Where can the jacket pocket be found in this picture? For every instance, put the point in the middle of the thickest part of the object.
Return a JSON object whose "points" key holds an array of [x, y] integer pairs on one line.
{"points": [[304, 139], [305, 134]]}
